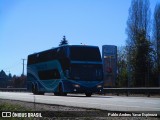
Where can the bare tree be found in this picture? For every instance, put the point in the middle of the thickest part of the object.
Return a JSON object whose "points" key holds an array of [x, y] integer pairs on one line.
{"points": [[156, 34], [122, 67], [138, 42]]}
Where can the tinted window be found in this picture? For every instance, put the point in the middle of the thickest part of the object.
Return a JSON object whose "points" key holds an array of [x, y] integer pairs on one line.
{"points": [[46, 56], [42, 56], [31, 59], [58, 53], [85, 53], [86, 72], [61, 53], [49, 74]]}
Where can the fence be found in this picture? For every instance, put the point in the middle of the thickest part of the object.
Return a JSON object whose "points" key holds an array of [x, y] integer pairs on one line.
{"points": [[141, 90], [148, 91], [14, 89]]}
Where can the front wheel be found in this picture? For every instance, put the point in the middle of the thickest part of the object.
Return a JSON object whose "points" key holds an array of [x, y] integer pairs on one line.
{"points": [[88, 94]]}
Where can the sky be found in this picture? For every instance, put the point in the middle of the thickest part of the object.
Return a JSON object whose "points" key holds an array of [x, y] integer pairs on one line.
{"points": [[29, 26]]}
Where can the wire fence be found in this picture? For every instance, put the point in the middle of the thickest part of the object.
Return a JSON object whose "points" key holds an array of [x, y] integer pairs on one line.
{"points": [[14, 89], [128, 91]]}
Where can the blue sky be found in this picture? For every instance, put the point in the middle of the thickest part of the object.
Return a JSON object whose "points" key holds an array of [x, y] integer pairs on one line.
{"points": [[29, 26]]}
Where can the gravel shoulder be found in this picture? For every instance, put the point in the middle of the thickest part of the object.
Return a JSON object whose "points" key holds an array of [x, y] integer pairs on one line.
{"points": [[69, 113]]}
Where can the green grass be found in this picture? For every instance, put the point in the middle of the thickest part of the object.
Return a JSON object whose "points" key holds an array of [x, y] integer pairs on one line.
{"points": [[13, 108]]}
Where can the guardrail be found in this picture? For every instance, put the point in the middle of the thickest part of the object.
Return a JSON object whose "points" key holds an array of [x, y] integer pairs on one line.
{"points": [[14, 89], [140, 90]]}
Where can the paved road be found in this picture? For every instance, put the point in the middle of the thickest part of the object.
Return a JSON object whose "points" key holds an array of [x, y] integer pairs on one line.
{"points": [[113, 103]]}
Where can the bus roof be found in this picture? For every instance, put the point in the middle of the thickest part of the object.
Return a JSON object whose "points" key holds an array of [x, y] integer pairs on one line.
{"points": [[63, 46]]}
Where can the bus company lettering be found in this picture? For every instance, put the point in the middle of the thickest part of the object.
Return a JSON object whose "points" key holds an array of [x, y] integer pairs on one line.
{"points": [[33, 115]]}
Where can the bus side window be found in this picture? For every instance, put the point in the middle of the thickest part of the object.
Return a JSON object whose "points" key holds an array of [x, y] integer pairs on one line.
{"points": [[56, 74], [31, 59], [61, 53], [49, 74]]}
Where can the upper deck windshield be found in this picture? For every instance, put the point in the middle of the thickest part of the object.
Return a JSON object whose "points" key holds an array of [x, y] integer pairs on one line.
{"points": [[85, 53]]}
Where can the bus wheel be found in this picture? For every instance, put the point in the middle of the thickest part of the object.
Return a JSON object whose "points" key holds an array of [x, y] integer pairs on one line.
{"points": [[88, 94], [56, 94], [40, 93], [33, 88], [61, 93], [36, 92]]}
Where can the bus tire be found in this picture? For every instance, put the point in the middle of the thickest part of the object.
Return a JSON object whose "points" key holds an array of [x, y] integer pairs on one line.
{"points": [[38, 92], [88, 94], [61, 93], [56, 93], [33, 88]]}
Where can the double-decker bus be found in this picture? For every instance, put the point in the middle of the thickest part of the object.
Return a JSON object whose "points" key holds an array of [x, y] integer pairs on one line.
{"points": [[65, 69]]}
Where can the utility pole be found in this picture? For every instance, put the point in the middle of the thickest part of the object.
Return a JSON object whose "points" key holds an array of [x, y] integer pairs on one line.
{"points": [[23, 67]]}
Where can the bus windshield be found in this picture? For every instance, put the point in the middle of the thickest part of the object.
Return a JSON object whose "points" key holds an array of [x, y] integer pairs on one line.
{"points": [[85, 53]]}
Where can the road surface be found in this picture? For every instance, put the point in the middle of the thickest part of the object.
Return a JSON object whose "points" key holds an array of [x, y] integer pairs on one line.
{"points": [[111, 103]]}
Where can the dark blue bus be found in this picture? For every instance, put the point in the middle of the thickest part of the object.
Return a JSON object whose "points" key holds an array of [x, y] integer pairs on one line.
{"points": [[65, 69]]}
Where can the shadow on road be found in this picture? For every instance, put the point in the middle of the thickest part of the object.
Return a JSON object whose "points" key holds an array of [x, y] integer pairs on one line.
{"points": [[79, 95]]}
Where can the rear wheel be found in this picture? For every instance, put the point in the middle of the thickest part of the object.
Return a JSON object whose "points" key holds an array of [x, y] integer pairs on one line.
{"points": [[40, 93], [88, 94], [35, 90], [61, 93], [56, 94]]}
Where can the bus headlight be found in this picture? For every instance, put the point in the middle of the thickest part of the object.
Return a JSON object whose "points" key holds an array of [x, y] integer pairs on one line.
{"points": [[76, 86], [99, 86]]}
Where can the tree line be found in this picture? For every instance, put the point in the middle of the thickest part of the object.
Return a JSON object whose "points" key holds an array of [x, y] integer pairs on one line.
{"points": [[9, 81], [139, 59]]}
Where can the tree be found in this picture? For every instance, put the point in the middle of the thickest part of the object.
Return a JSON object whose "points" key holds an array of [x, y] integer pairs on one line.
{"points": [[20, 82], [156, 34], [122, 67], [63, 41], [138, 42]]}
